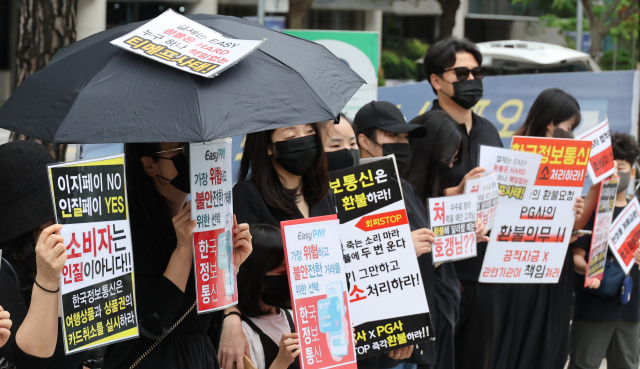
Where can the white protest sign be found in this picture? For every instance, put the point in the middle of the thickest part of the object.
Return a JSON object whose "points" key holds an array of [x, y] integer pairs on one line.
{"points": [[533, 227], [601, 164], [486, 188], [624, 235], [319, 292], [513, 169], [453, 220], [181, 43], [386, 290], [210, 165], [601, 227], [98, 294]]}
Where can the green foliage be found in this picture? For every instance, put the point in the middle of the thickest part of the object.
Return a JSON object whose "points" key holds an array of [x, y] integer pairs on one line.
{"points": [[623, 60], [400, 63]]}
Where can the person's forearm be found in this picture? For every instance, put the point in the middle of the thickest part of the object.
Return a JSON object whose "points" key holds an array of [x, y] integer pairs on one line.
{"points": [[179, 267], [590, 203], [579, 264], [38, 333]]}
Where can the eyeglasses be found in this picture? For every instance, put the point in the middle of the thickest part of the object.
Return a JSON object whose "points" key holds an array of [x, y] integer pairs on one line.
{"points": [[184, 148], [463, 73]]}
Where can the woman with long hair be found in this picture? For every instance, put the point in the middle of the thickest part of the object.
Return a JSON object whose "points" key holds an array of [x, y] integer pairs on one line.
{"points": [[33, 254], [430, 161], [283, 176], [536, 317], [162, 230]]}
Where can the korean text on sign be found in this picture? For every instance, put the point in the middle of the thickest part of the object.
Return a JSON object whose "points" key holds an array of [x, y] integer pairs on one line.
{"points": [[601, 228], [210, 166], [386, 290], [453, 220], [487, 190], [601, 163], [625, 234], [98, 295], [319, 293], [179, 42], [513, 170]]}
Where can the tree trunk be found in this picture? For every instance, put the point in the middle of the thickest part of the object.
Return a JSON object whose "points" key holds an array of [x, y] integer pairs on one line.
{"points": [[595, 30], [448, 17], [45, 27], [298, 13]]}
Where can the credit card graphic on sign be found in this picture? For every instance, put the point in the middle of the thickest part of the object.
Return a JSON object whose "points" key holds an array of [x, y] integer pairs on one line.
{"points": [[331, 312]]}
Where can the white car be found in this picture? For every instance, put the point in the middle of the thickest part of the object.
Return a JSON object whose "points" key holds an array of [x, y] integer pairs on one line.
{"points": [[526, 57]]}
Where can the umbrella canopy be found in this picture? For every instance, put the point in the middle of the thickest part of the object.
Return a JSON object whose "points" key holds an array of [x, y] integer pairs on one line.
{"points": [[95, 92]]}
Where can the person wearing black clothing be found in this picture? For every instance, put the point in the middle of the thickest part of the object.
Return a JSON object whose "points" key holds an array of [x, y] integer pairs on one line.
{"points": [[452, 66], [603, 326], [430, 161], [161, 231], [33, 255]]}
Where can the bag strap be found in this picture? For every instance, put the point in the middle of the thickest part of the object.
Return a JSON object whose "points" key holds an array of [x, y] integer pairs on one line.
{"points": [[15, 275], [160, 340]]}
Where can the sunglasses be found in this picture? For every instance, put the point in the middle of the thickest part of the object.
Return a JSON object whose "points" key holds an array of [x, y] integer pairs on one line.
{"points": [[462, 73], [184, 148]]}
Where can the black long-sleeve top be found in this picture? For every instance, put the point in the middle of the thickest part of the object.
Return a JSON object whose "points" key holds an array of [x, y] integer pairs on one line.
{"points": [[15, 300]]}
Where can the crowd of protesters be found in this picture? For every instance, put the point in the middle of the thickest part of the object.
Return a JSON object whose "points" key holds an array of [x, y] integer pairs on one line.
{"points": [[284, 175]]}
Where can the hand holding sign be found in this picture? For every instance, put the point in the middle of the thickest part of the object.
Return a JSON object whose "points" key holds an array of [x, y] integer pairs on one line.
{"points": [[578, 207], [481, 231], [50, 257], [5, 325], [241, 242], [184, 226], [289, 350], [422, 240], [459, 189]]}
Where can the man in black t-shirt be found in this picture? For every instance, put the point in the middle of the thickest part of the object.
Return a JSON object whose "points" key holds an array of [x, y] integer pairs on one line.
{"points": [[452, 67], [602, 326]]}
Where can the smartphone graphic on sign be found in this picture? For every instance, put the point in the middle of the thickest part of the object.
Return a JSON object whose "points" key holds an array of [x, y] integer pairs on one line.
{"points": [[225, 258], [332, 311]]}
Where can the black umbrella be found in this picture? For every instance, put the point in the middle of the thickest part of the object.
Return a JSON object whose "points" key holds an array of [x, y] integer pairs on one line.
{"points": [[95, 92]]}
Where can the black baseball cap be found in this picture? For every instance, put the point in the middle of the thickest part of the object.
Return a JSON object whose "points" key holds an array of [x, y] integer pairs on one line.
{"points": [[387, 117]]}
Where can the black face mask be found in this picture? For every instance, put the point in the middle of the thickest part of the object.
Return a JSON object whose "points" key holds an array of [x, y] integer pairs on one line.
{"points": [[467, 93], [341, 159], [181, 181], [561, 133], [276, 290], [401, 151], [297, 155], [623, 183]]}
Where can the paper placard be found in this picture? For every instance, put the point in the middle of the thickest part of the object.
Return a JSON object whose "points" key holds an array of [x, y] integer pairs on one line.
{"points": [[453, 220], [601, 227], [532, 230], [487, 190], [386, 291], [177, 41], [96, 284], [624, 235], [210, 166], [514, 169], [319, 292], [601, 164]]}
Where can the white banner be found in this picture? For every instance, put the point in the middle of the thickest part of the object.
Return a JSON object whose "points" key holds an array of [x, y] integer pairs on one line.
{"points": [[486, 188], [601, 164], [453, 220]]}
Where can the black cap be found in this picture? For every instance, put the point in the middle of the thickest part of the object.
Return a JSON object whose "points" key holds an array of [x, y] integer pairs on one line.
{"points": [[387, 117], [24, 184]]}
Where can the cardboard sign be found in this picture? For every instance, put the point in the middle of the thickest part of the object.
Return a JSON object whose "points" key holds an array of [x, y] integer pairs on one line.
{"points": [[601, 164], [179, 42], [514, 170], [487, 190], [386, 290], [601, 228], [564, 161], [532, 230], [319, 292], [97, 289], [453, 220], [212, 208], [624, 235]]}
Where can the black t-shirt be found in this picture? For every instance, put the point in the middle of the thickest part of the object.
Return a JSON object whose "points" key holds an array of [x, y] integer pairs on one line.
{"points": [[483, 132], [591, 307]]}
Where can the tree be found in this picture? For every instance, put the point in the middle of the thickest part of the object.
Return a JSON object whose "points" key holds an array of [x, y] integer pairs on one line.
{"points": [[448, 17], [45, 27], [603, 18]]}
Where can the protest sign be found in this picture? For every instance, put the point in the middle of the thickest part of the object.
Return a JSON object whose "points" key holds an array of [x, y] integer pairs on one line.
{"points": [[179, 42], [601, 164], [212, 209], [514, 170], [624, 235], [532, 230], [486, 188], [319, 292], [453, 220], [386, 290], [98, 295], [601, 227]]}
